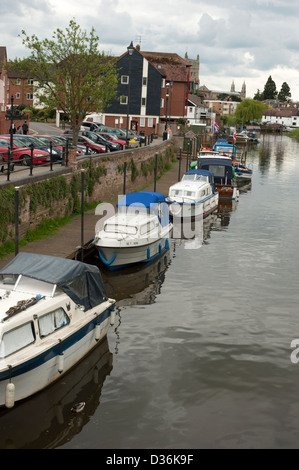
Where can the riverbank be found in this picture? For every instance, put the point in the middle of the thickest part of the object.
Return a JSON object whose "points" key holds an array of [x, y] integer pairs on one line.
{"points": [[66, 242]]}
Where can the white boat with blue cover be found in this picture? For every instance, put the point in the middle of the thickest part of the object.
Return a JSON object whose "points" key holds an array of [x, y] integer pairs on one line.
{"points": [[137, 233], [194, 197], [53, 311]]}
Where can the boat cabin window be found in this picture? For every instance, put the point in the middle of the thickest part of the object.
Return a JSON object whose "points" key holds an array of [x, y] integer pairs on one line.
{"points": [[16, 339], [218, 170], [52, 321], [121, 228], [176, 192], [189, 193], [147, 228]]}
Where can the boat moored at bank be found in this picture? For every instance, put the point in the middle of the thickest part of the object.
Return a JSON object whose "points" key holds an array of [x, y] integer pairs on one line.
{"points": [[194, 197], [137, 233], [53, 312]]}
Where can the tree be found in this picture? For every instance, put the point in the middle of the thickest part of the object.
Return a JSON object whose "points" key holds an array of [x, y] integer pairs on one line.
{"points": [[284, 94], [270, 89], [69, 72], [258, 96], [250, 110]]}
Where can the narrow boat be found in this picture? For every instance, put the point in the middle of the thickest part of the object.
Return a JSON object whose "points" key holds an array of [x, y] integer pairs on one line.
{"points": [[53, 312], [222, 168], [242, 172], [194, 197], [137, 233]]}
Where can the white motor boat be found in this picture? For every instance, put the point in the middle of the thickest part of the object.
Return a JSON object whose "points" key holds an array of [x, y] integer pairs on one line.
{"points": [[53, 311], [137, 233], [194, 197]]}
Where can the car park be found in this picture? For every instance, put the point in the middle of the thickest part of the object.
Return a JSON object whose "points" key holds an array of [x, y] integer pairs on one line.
{"points": [[21, 153]]}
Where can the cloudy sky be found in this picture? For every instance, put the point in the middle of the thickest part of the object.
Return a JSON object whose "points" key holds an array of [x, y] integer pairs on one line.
{"points": [[236, 40]]}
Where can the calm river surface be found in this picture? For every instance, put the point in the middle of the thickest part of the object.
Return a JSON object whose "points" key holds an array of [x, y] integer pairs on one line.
{"points": [[200, 353]]}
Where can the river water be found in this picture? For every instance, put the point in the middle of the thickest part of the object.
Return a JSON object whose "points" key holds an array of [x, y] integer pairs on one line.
{"points": [[202, 354]]}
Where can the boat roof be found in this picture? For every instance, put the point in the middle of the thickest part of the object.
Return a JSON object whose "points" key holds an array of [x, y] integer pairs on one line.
{"points": [[218, 160], [81, 282], [200, 172], [141, 198]]}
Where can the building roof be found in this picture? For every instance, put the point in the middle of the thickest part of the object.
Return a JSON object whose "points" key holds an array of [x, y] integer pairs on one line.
{"points": [[282, 112], [169, 64]]}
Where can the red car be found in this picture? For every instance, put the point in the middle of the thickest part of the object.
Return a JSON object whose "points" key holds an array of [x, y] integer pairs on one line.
{"points": [[20, 153], [113, 138], [82, 140]]}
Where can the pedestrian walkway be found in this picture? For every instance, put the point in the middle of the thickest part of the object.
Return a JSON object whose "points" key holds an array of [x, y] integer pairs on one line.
{"points": [[67, 241]]}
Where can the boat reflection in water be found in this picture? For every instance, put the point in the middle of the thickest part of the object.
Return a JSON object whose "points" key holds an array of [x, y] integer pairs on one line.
{"points": [[46, 420], [138, 285]]}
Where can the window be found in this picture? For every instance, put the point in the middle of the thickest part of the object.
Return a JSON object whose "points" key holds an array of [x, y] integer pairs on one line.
{"points": [[124, 79], [17, 339], [123, 99], [143, 101], [18, 96], [52, 321], [30, 81], [147, 228], [29, 96], [150, 122], [142, 122], [162, 103], [163, 83], [18, 81], [144, 81]]}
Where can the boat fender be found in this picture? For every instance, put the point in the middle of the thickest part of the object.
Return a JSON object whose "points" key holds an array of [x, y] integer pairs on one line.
{"points": [[97, 332], [166, 243], [112, 318], [148, 253], [107, 263], [160, 248], [60, 362], [10, 395]]}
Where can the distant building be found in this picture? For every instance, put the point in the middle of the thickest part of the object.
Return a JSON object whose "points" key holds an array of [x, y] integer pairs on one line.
{"points": [[285, 116]]}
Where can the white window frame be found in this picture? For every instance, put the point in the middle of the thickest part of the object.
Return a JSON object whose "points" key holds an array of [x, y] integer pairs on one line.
{"points": [[150, 122], [18, 96], [123, 100], [124, 79], [142, 122], [29, 96]]}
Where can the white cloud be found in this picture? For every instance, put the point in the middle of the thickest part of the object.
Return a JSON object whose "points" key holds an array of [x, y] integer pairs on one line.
{"points": [[236, 40]]}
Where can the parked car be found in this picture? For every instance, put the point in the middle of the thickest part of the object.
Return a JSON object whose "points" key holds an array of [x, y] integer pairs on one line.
{"points": [[133, 135], [113, 138], [97, 138], [40, 144], [120, 134], [60, 140], [90, 126], [87, 143], [21, 153]]}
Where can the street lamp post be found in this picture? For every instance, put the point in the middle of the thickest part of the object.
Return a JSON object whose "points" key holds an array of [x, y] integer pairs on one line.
{"points": [[166, 110], [130, 51]]}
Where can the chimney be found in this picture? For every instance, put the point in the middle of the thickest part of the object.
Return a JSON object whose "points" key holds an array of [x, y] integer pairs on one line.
{"points": [[137, 47]]}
